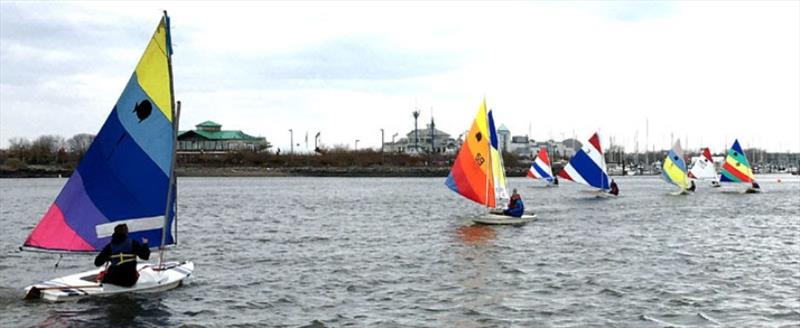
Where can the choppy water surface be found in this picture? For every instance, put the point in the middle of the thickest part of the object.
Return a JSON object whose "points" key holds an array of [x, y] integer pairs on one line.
{"points": [[400, 252]]}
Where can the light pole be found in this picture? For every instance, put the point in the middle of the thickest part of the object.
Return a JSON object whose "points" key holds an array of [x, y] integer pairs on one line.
{"points": [[291, 141], [381, 140], [356, 147]]}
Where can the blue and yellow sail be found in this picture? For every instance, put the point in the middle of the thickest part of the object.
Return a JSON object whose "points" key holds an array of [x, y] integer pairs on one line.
{"points": [[126, 175], [674, 169], [498, 169]]}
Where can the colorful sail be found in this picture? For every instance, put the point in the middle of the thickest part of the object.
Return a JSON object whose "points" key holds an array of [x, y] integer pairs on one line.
{"points": [[674, 169], [471, 174], [736, 167], [588, 166], [498, 169], [540, 167], [126, 174], [703, 167]]}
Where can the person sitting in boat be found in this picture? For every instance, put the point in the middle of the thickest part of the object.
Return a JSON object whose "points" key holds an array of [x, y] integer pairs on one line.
{"points": [[555, 181], [614, 189], [515, 205], [691, 186], [122, 252]]}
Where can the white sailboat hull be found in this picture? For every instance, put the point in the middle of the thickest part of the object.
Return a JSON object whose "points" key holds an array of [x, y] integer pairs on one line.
{"points": [[499, 219], [151, 279], [600, 193], [680, 192]]}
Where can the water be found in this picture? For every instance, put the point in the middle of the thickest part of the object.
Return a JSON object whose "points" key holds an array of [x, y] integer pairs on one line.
{"points": [[400, 252]]}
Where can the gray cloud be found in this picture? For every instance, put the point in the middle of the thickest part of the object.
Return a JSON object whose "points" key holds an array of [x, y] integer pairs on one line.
{"points": [[364, 64], [356, 58], [38, 45]]}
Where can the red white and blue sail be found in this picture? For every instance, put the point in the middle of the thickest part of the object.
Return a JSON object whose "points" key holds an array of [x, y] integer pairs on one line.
{"points": [[588, 166], [540, 167], [126, 174], [736, 167]]}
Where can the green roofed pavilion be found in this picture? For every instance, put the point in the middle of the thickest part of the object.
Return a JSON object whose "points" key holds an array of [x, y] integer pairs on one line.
{"points": [[209, 137]]}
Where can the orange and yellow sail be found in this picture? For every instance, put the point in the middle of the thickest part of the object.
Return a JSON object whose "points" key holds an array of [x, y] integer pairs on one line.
{"points": [[471, 174]]}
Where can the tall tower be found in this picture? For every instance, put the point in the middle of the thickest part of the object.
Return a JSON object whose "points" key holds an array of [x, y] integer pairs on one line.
{"points": [[433, 135], [416, 130]]}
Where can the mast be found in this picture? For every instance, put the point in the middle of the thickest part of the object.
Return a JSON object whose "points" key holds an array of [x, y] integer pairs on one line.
{"points": [[175, 118], [647, 144], [488, 155]]}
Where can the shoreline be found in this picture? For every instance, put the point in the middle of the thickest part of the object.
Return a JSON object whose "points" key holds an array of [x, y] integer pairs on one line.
{"points": [[257, 171], [299, 171]]}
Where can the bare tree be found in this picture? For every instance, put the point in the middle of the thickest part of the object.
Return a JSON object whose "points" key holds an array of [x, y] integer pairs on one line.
{"points": [[79, 144], [19, 148], [45, 149]]}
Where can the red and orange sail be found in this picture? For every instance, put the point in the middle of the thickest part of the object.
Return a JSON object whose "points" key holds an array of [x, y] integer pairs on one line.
{"points": [[471, 174]]}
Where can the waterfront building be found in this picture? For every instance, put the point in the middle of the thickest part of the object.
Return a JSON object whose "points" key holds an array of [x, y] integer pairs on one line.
{"points": [[431, 141], [209, 137], [526, 147], [504, 138]]}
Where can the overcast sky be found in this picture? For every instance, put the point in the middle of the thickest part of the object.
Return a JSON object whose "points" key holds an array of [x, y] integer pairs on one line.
{"points": [[709, 71]]}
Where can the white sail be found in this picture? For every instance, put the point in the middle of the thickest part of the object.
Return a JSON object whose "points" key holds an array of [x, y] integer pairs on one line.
{"points": [[703, 167]]}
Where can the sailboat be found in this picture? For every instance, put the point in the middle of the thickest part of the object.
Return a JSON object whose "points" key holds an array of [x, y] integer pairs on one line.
{"points": [[703, 169], [737, 169], [127, 176], [476, 175], [541, 169], [674, 169], [588, 167]]}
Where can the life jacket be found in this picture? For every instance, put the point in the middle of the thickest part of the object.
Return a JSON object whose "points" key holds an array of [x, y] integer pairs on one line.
{"points": [[614, 189], [122, 252], [518, 209]]}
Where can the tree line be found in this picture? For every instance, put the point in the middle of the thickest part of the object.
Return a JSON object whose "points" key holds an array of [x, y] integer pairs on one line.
{"points": [[56, 151], [45, 150]]}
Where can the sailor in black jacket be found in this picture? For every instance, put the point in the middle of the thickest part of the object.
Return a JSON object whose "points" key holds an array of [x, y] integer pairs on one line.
{"points": [[122, 253]]}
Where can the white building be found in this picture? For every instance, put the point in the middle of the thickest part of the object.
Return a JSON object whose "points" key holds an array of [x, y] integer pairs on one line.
{"points": [[503, 138], [523, 146], [431, 141]]}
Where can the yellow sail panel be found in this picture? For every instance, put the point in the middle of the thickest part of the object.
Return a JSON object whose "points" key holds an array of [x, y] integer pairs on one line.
{"points": [[471, 174], [498, 171], [674, 169], [152, 72], [743, 170], [499, 174], [674, 174]]}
